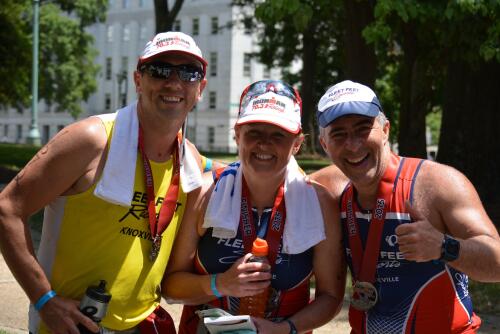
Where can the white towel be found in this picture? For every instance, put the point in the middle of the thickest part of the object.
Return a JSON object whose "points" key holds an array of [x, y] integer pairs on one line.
{"points": [[117, 181], [304, 225]]}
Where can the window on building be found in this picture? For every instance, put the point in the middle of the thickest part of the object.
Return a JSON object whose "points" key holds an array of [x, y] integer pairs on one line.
{"points": [[45, 134], [196, 26], [109, 33], [107, 102], [6, 130], [191, 134], [266, 72], [177, 25], [108, 68], [214, 25], [123, 100], [212, 100], [213, 64], [19, 133], [247, 26], [247, 64], [125, 3], [211, 135], [143, 32], [126, 33], [124, 64], [141, 3]]}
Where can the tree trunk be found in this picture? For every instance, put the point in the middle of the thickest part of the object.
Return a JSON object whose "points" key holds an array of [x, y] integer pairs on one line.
{"points": [[469, 130], [415, 96], [359, 57], [307, 77], [164, 16]]}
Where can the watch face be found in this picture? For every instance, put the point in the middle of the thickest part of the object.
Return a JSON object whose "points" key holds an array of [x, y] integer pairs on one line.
{"points": [[451, 248]]}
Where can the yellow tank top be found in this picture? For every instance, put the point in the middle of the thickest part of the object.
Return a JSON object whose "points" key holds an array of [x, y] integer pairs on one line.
{"points": [[86, 239]]}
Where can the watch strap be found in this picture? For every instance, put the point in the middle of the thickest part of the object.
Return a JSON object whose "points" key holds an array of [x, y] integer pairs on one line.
{"points": [[450, 248], [293, 329]]}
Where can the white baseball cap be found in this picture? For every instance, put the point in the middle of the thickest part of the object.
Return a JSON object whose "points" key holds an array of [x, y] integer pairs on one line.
{"points": [[272, 102], [347, 98], [172, 41]]}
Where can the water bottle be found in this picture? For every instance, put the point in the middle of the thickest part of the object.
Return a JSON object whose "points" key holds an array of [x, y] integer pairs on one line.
{"points": [[94, 304], [256, 305]]}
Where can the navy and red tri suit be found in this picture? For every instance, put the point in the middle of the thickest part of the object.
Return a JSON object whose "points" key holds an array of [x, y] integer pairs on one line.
{"points": [[413, 297], [290, 275]]}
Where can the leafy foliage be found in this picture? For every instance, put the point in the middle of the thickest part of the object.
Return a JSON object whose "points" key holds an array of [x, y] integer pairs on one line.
{"points": [[14, 50], [300, 33], [66, 64]]}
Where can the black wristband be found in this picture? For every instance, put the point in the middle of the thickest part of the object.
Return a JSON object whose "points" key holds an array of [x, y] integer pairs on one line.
{"points": [[293, 329]]}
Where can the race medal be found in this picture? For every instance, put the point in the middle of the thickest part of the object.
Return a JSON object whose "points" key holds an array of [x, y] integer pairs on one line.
{"points": [[364, 296], [159, 225], [155, 248], [365, 257]]}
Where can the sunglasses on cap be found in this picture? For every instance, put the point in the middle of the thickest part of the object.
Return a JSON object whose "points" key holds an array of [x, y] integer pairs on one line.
{"points": [[187, 73], [261, 87]]}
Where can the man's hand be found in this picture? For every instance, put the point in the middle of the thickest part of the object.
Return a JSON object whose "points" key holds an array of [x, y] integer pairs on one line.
{"points": [[419, 241], [62, 316]]}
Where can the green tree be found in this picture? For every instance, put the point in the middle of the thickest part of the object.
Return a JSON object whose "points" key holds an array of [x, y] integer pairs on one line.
{"points": [[165, 16], [448, 53], [471, 103], [67, 69], [14, 51], [406, 34], [311, 32]]}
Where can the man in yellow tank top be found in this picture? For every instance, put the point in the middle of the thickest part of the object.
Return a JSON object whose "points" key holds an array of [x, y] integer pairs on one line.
{"points": [[90, 233]]}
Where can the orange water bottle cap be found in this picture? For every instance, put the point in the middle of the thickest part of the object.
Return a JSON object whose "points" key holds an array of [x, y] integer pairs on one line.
{"points": [[260, 247]]}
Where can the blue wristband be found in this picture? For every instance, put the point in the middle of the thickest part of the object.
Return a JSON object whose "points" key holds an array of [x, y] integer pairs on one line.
{"points": [[213, 287], [208, 165], [44, 299]]}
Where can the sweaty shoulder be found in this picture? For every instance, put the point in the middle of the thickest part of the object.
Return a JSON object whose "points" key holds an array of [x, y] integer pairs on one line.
{"points": [[437, 179], [325, 197], [66, 165], [439, 187], [332, 178], [84, 145]]}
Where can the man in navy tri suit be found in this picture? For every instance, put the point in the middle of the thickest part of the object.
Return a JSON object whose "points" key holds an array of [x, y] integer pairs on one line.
{"points": [[414, 230]]}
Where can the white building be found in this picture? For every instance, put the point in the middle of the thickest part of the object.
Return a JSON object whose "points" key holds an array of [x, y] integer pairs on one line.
{"points": [[129, 25]]}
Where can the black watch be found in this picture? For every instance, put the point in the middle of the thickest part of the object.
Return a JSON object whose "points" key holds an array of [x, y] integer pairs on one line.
{"points": [[293, 329], [450, 249]]}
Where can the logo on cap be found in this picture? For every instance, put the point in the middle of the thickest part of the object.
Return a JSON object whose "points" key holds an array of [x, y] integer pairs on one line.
{"points": [[271, 103]]}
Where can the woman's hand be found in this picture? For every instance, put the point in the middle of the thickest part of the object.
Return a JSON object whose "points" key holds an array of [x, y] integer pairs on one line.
{"points": [[244, 278], [268, 327]]}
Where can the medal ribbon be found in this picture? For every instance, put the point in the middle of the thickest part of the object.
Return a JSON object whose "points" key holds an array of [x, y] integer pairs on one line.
{"points": [[365, 262], [274, 228], [167, 209]]}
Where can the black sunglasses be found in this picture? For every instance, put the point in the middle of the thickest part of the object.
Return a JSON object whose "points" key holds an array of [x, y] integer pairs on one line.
{"points": [[187, 73]]}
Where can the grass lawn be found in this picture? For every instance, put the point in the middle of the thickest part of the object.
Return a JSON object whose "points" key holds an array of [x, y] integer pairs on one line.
{"points": [[485, 296]]}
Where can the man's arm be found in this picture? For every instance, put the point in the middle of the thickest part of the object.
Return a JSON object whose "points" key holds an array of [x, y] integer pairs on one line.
{"points": [[66, 165], [446, 202]]}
